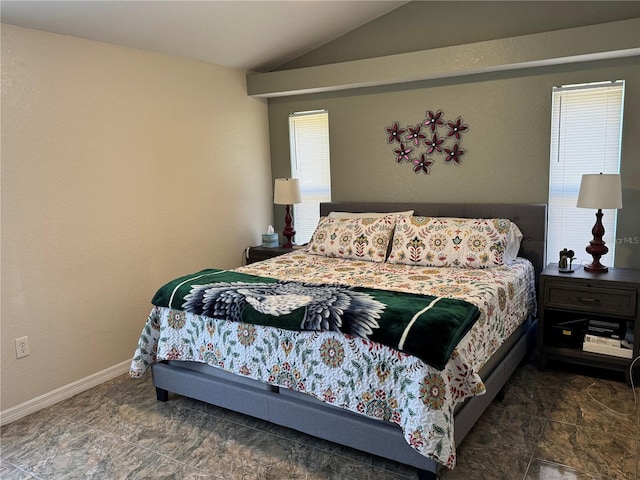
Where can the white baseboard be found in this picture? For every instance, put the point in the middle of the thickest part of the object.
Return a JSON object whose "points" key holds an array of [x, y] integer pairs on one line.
{"points": [[14, 413]]}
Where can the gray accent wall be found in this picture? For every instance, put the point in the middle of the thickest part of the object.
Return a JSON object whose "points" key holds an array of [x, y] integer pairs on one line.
{"points": [[507, 144]]}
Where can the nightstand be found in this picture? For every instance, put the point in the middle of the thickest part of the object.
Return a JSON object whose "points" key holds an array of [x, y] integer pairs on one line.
{"points": [[565, 297], [259, 253]]}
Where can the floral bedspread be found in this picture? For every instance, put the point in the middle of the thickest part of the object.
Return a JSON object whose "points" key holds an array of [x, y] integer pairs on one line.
{"points": [[352, 372]]}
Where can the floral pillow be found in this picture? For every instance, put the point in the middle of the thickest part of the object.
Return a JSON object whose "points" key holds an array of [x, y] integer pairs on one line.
{"points": [[450, 242], [353, 238]]}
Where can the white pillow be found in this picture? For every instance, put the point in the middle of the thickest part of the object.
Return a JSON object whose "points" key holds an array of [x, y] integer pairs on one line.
{"points": [[343, 215], [514, 239]]}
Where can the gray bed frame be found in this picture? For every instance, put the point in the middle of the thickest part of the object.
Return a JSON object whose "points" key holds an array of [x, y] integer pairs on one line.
{"points": [[305, 414]]}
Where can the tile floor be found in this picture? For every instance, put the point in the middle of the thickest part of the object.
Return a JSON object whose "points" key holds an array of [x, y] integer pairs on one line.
{"points": [[547, 428]]}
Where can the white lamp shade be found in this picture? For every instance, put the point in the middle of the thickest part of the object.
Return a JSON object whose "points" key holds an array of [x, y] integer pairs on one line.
{"points": [[286, 191], [600, 190]]}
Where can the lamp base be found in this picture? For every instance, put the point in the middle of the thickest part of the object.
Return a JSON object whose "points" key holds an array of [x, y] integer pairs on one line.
{"points": [[288, 231], [288, 244], [596, 247], [596, 267]]}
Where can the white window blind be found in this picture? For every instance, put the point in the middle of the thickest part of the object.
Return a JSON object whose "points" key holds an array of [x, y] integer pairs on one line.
{"points": [[586, 133], [309, 143]]}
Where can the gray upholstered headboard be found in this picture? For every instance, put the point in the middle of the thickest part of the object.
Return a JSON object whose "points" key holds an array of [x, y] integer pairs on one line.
{"points": [[530, 218]]}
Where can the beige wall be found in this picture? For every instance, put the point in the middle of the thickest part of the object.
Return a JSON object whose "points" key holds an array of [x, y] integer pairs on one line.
{"points": [[120, 169]]}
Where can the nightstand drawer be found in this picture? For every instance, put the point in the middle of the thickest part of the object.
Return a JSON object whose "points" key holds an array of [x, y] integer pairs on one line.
{"points": [[597, 300]]}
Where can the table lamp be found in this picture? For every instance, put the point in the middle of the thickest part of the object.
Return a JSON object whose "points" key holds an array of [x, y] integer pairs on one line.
{"points": [[599, 191], [287, 192]]}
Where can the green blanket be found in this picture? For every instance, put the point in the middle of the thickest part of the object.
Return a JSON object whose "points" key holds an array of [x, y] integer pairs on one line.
{"points": [[425, 326]]}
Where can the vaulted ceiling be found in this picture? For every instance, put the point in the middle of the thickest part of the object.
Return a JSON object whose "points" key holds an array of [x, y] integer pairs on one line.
{"points": [[251, 35]]}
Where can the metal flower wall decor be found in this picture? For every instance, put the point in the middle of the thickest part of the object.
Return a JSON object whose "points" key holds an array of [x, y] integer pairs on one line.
{"points": [[430, 134]]}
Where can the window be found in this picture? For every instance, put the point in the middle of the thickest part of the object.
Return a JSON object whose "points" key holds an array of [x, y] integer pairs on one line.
{"points": [[309, 143], [586, 134]]}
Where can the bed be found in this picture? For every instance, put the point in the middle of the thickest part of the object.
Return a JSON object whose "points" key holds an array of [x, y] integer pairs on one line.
{"points": [[404, 402]]}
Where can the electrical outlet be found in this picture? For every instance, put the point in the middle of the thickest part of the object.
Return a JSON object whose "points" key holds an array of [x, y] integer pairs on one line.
{"points": [[22, 347]]}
